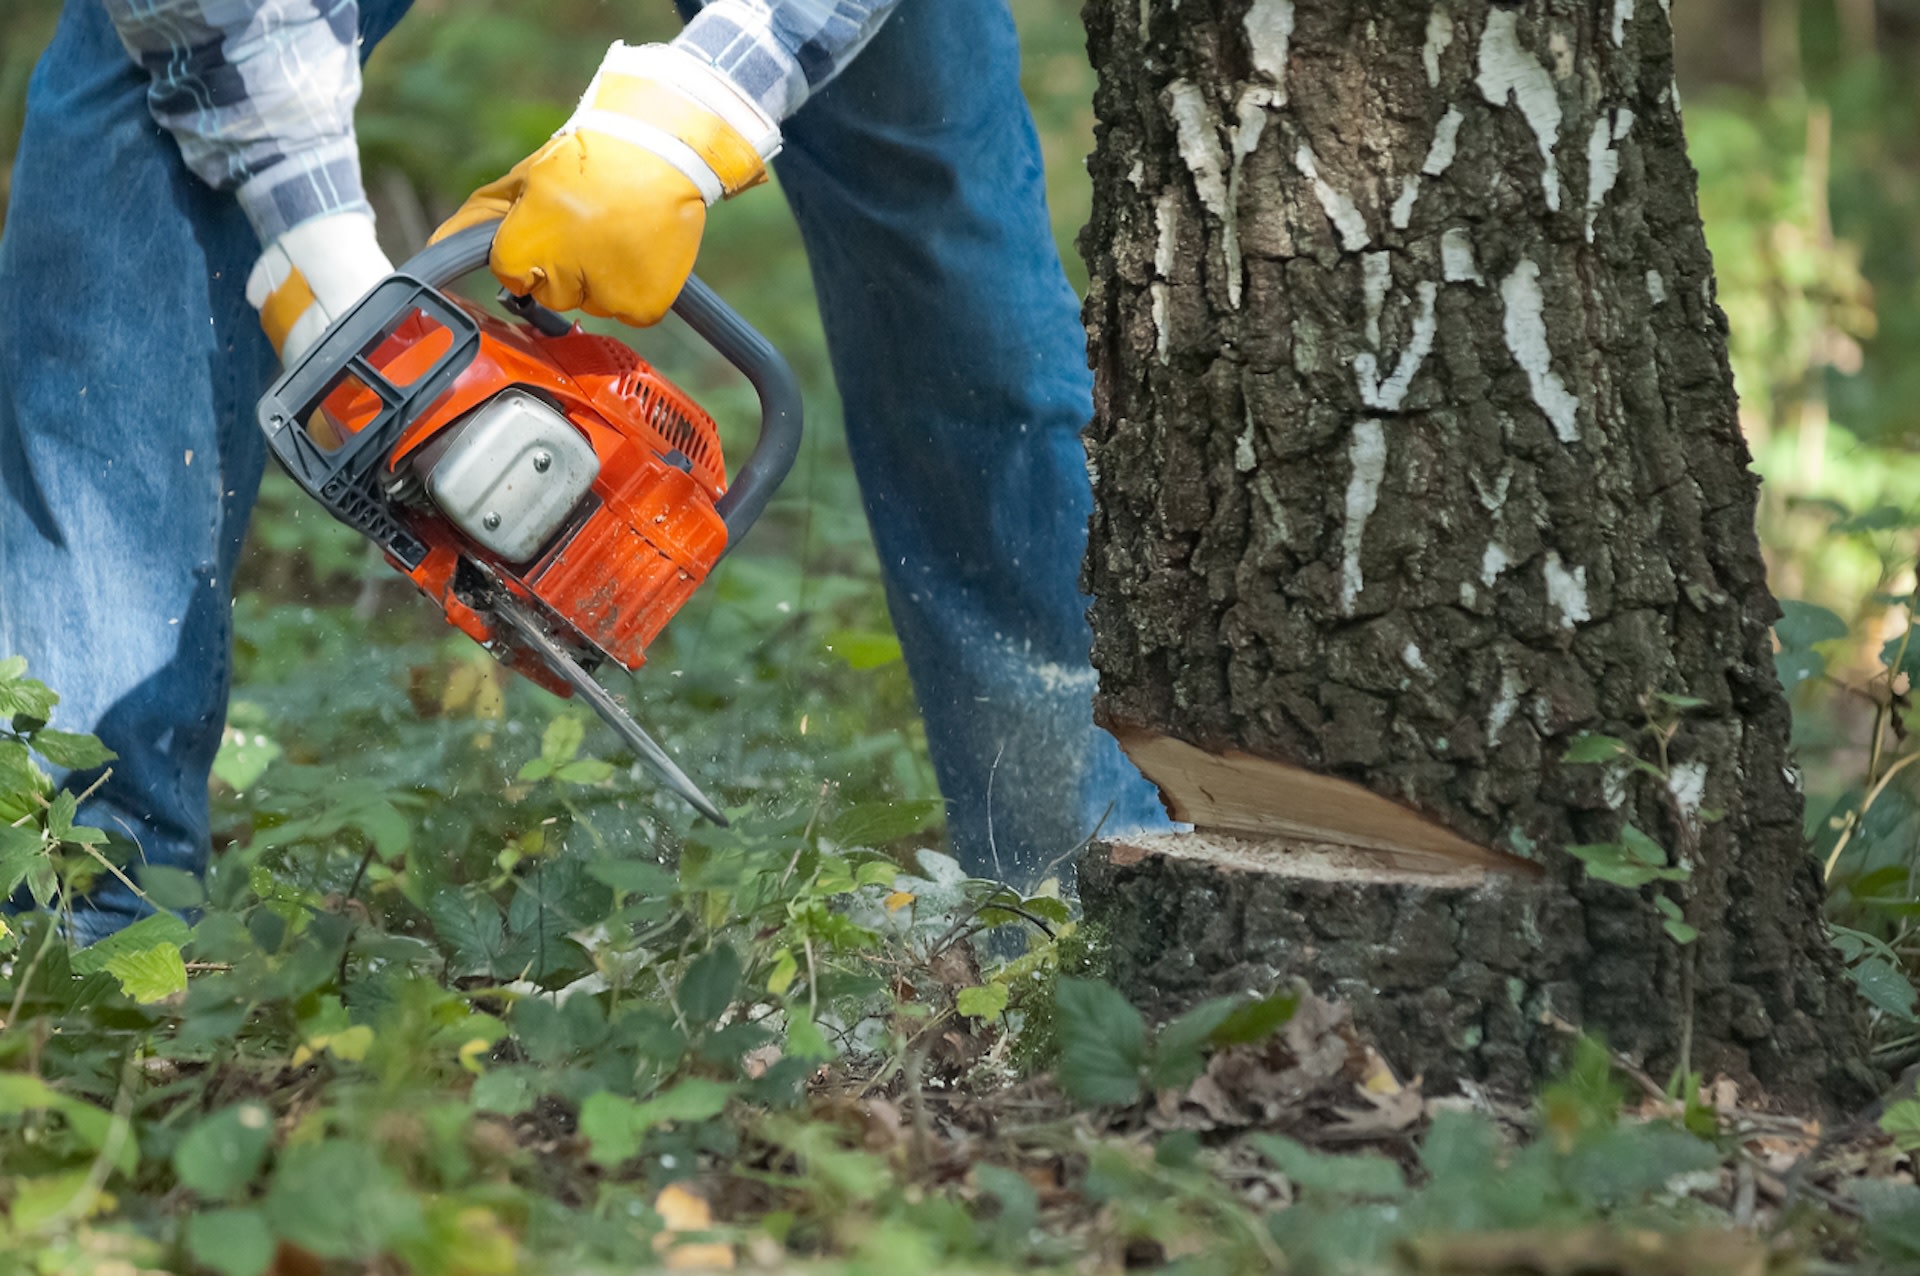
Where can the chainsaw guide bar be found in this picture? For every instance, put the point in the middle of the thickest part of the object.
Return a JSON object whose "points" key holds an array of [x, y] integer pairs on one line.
{"points": [[550, 491], [527, 629]]}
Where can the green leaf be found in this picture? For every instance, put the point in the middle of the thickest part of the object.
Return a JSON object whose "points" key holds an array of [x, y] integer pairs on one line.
{"points": [[1103, 1042], [148, 932], [636, 877], [615, 1126], [1878, 518], [874, 824], [1885, 986], [231, 1242], [221, 1156], [1179, 1049], [20, 1094], [20, 778], [1632, 862], [864, 649], [20, 850], [1364, 1176], [1680, 932], [472, 927], [60, 813], [152, 974], [1613, 1167], [709, 985], [1675, 921], [1893, 1220], [24, 696], [1801, 625], [584, 771], [806, 1041], [507, 1091], [336, 1199], [1255, 1021], [560, 742], [1590, 747], [1796, 667], [1901, 654], [172, 888], [983, 1001], [243, 759], [72, 750], [1902, 1121]]}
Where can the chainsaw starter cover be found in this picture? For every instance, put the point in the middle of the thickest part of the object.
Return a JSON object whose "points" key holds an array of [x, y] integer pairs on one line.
{"points": [[513, 474]]}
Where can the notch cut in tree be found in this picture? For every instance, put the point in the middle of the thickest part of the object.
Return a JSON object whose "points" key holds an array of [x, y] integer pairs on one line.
{"points": [[1416, 458]]}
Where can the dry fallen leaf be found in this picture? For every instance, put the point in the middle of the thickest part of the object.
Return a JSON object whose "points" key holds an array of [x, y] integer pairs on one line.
{"points": [[684, 1211]]}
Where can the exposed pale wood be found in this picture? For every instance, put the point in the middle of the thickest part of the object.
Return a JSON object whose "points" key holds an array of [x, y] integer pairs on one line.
{"points": [[1236, 792]]}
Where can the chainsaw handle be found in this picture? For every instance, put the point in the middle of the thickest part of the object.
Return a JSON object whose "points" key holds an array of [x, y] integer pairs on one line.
{"points": [[719, 325]]}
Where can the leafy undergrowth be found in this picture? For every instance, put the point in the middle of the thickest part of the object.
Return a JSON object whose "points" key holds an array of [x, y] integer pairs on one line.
{"points": [[444, 1009]]}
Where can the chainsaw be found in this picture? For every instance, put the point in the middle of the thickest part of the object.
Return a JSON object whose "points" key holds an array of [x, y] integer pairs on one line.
{"points": [[544, 486]]}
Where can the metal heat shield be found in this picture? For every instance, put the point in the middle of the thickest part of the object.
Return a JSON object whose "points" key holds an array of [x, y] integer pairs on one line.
{"points": [[513, 474]]}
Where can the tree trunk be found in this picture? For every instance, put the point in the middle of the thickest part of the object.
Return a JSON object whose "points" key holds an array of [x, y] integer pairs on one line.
{"points": [[1415, 458]]}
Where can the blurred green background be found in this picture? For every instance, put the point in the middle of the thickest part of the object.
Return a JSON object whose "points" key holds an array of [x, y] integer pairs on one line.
{"points": [[1803, 124]]}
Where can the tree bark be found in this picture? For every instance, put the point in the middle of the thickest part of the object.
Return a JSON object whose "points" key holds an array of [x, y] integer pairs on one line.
{"points": [[1415, 458]]}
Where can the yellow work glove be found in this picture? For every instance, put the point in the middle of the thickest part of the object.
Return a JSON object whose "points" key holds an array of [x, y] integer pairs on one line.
{"points": [[607, 216], [312, 275]]}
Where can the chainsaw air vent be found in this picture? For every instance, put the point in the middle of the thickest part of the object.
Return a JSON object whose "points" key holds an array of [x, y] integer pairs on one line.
{"points": [[677, 431]]}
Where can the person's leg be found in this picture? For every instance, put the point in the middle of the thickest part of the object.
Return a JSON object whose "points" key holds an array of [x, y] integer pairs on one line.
{"points": [[957, 345], [130, 363]]}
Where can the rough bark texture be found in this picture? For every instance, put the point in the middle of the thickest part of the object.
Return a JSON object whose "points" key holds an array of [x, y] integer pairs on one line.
{"points": [[1415, 457]]}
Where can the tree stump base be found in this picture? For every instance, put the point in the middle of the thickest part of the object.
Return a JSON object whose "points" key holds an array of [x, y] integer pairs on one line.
{"points": [[1466, 974]]}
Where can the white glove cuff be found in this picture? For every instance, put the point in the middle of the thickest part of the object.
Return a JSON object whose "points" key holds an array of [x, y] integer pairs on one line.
{"points": [[700, 83], [340, 260]]}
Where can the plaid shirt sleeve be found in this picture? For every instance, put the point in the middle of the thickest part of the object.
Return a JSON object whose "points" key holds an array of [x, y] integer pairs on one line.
{"points": [[259, 94], [779, 51]]}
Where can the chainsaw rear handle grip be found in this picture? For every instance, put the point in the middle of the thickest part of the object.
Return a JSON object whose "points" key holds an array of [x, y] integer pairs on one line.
{"points": [[719, 325]]}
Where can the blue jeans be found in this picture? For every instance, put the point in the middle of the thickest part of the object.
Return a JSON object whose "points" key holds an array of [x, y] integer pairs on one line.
{"points": [[130, 363]]}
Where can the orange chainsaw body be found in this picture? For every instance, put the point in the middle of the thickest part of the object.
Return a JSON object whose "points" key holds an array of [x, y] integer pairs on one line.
{"points": [[631, 552]]}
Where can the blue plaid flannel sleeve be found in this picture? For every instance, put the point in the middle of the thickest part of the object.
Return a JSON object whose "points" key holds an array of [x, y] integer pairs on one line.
{"points": [[260, 96], [779, 51]]}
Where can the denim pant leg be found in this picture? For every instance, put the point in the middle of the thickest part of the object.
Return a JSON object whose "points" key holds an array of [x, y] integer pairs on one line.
{"points": [[957, 345], [129, 457]]}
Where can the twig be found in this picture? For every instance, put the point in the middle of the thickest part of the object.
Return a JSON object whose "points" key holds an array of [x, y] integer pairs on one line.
{"points": [[346, 949], [81, 1203], [26, 977]]}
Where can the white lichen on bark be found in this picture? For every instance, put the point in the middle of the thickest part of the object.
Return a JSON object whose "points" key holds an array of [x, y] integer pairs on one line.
{"points": [[1687, 786], [1347, 221], [1446, 137], [1656, 288], [1603, 160], [1388, 395], [1269, 25], [1622, 10], [1197, 135], [1509, 73], [1457, 265], [1494, 560], [1368, 454], [1439, 36], [1506, 703], [1526, 334], [1376, 276], [1566, 591], [1166, 248], [1250, 123]]}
